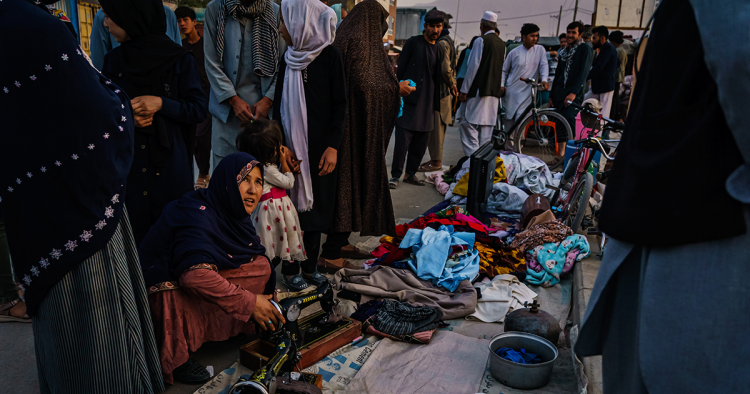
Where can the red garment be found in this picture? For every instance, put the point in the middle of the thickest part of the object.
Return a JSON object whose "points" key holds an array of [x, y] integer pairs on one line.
{"points": [[421, 223], [208, 306]]}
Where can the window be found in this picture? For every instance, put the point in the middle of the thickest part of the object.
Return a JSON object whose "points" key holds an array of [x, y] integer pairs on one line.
{"points": [[390, 26]]}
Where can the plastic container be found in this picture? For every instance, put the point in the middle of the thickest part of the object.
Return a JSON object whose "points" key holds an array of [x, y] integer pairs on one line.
{"points": [[570, 148], [522, 376]]}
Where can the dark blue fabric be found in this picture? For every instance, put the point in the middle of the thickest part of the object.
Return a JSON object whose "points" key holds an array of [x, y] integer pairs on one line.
{"points": [[206, 225], [604, 69], [161, 172], [519, 356], [67, 147]]}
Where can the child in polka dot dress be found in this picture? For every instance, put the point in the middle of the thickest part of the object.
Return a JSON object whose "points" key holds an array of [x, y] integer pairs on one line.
{"points": [[275, 218]]}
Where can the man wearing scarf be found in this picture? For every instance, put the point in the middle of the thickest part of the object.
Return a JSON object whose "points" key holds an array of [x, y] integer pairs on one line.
{"points": [[482, 86], [447, 88], [242, 49], [574, 63]]}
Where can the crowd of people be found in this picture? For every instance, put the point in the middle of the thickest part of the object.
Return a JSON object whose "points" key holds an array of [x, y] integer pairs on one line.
{"points": [[292, 105], [125, 260]]}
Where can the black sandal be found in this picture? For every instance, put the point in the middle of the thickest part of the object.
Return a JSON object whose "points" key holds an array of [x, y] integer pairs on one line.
{"points": [[413, 180]]}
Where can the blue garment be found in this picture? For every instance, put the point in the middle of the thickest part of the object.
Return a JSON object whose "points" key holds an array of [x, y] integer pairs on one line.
{"points": [[101, 42], [432, 248], [519, 356], [337, 9], [552, 257], [461, 74], [204, 226], [62, 187], [401, 109]]}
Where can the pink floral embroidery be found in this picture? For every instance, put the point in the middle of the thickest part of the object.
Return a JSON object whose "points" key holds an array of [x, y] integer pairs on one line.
{"points": [[43, 169], [109, 212], [120, 127], [100, 225], [70, 245], [10, 189], [91, 146], [28, 174], [33, 77], [85, 236], [18, 84], [56, 254], [57, 163], [279, 207], [300, 247], [273, 245], [230, 256], [47, 67], [287, 208], [35, 270], [64, 57], [295, 228], [278, 220], [106, 136], [74, 157], [18, 181], [115, 198], [268, 228], [5, 89], [265, 207], [202, 208], [287, 250], [44, 262], [27, 279]]}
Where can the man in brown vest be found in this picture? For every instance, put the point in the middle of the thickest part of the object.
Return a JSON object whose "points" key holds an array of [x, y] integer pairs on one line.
{"points": [[482, 86]]}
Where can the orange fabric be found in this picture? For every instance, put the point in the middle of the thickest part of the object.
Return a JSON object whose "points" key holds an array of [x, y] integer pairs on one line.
{"points": [[209, 306]]}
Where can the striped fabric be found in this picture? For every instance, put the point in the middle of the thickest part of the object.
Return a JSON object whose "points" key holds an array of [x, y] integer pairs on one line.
{"points": [[93, 332], [265, 33]]}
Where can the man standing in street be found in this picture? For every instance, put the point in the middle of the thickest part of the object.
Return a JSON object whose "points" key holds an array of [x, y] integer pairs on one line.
{"points": [[242, 47], [186, 20], [574, 62], [616, 38], [447, 83], [604, 70], [420, 63], [482, 86], [522, 63]]}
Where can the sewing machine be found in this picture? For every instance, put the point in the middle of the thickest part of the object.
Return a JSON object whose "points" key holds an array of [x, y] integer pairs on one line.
{"points": [[299, 343]]}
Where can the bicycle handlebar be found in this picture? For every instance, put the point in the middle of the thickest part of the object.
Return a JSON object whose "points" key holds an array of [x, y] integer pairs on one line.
{"points": [[599, 142], [614, 123]]}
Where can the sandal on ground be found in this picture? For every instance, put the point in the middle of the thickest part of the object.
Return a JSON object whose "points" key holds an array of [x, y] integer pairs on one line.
{"points": [[192, 372], [296, 283], [6, 317], [413, 180], [429, 167], [393, 183], [316, 278]]}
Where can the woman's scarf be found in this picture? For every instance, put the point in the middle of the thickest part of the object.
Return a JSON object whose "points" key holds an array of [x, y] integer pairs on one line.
{"points": [[566, 55], [265, 33], [337, 9], [61, 187], [149, 53], [312, 26], [204, 226]]}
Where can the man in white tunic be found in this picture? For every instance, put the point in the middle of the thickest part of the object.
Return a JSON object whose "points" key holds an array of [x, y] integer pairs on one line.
{"points": [[526, 61], [482, 86]]}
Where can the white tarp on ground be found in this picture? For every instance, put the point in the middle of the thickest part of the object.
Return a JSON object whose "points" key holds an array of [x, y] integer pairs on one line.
{"points": [[451, 363]]}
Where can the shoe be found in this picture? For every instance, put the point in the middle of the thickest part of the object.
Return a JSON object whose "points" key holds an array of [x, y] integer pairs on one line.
{"points": [[192, 372], [429, 167], [393, 183], [295, 284], [316, 278], [354, 253], [413, 180], [6, 317], [332, 266]]}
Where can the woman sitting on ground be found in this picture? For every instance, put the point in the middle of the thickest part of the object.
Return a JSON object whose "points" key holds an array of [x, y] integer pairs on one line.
{"points": [[205, 269]]}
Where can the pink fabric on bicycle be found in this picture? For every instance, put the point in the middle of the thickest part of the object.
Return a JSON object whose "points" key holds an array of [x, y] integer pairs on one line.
{"points": [[208, 306]]}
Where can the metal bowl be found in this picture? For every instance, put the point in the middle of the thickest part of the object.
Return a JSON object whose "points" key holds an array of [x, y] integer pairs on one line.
{"points": [[522, 376]]}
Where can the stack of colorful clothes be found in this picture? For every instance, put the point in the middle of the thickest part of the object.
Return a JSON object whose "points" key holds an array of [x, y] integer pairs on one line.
{"points": [[494, 257]]}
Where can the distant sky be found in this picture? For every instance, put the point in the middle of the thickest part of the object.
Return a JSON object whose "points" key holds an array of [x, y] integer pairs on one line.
{"points": [[512, 14]]}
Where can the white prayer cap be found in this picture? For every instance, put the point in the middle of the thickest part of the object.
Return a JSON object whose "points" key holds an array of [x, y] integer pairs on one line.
{"points": [[490, 16]]}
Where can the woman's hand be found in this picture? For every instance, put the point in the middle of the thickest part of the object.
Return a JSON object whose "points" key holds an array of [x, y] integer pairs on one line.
{"points": [[143, 121], [327, 162], [265, 312], [146, 106], [292, 162], [405, 88]]}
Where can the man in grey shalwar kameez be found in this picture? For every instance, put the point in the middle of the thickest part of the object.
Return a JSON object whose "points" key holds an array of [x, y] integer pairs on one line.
{"points": [[243, 80]]}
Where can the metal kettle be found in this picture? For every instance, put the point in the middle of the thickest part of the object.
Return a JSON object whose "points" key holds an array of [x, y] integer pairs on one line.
{"points": [[533, 321]]}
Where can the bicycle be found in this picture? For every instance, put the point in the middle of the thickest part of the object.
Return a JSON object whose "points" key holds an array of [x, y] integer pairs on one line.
{"points": [[573, 206], [536, 134]]}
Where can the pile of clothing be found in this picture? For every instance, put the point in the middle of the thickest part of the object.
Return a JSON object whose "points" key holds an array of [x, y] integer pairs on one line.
{"points": [[520, 356], [529, 173], [550, 249], [399, 321], [500, 296], [447, 247]]}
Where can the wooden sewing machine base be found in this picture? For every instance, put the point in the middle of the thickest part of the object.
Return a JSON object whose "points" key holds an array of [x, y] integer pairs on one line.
{"points": [[318, 342]]}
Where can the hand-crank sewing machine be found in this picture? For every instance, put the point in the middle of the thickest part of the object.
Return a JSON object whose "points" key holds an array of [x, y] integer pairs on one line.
{"points": [[299, 343]]}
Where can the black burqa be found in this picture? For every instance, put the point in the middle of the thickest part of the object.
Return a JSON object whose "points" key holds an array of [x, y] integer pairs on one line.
{"points": [[363, 200]]}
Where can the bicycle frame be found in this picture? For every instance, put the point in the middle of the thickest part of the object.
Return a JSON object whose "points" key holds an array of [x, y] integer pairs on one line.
{"points": [[531, 111]]}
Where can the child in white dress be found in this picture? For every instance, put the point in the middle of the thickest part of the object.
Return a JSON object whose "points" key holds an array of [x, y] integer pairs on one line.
{"points": [[275, 218]]}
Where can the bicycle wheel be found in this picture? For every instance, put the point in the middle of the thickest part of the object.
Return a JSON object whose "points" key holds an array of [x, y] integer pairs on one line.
{"points": [[539, 139], [579, 200]]}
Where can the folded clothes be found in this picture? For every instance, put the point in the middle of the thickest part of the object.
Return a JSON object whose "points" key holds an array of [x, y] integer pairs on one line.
{"points": [[500, 296], [366, 310], [402, 318], [519, 356], [422, 337]]}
